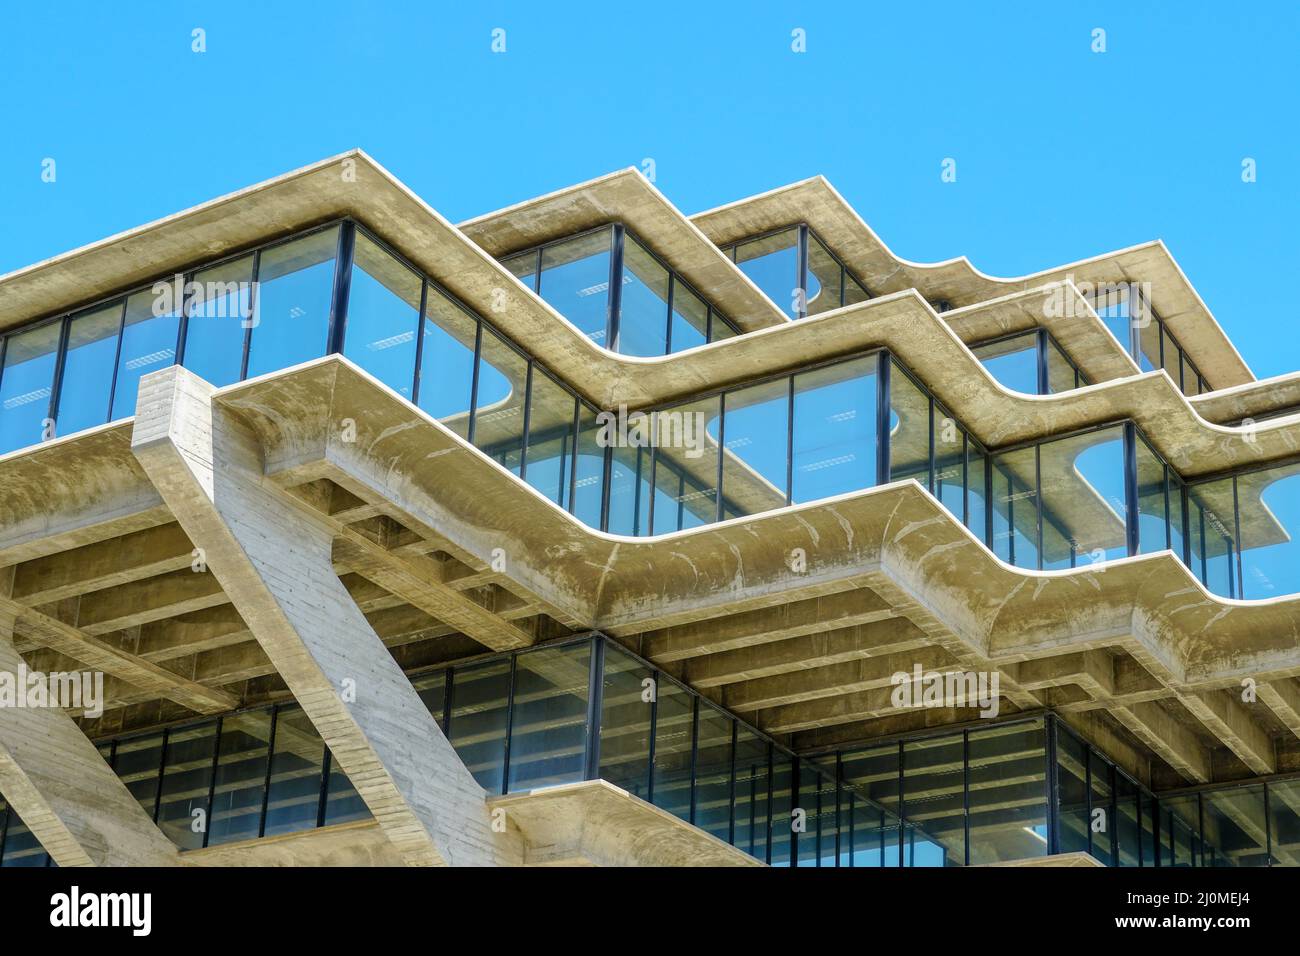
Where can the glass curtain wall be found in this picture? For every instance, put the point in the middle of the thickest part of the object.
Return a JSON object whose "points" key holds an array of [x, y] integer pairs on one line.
{"points": [[619, 294], [795, 269], [1031, 362], [1127, 313]]}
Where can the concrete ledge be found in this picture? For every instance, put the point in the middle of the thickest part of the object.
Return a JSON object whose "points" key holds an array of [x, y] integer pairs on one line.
{"points": [[1060, 859]]}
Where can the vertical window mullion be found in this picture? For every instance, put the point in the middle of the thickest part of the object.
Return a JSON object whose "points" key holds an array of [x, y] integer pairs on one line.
{"points": [[528, 414], [882, 418], [419, 342], [722, 451], [56, 387], [474, 377], [117, 360], [270, 763], [248, 320], [212, 781], [342, 288], [613, 320], [789, 446], [510, 723], [595, 704]]}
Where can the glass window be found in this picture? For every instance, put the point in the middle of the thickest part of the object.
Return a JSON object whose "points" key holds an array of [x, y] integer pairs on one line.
{"points": [[187, 777], [342, 802], [499, 410], [88, 369], [630, 490], [1008, 793], [674, 727], [817, 800], [825, 278], [291, 308], [1172, 362], [432, 689], [589, 468], [782, 807], [976, 491], [241, 777], [479, 695], [719, 328], [293, 801], [643, 316], [949, 462], [1148, 332], [1072, 817], [148, 344], [575, 281], [1180, 838], [548, 730], [854, 292], [1177, 523], [690, 323], [137, 764], [550, 438], [1153, 524], [447, 361], [217, 316], [1013, 362], [1212, 552], [909, 429], [1284, 820], [1111, 303], [751, 793], [1192, 384], [1082, 491], [756, 433], [21, 848], [1128, 825], [713, 773], [686, 466], [874, 829], [1102, 814], [772, 263], [1268, 504], [627, 702], [1015, 507], [383, 316], [834, 430], [934, 802]]}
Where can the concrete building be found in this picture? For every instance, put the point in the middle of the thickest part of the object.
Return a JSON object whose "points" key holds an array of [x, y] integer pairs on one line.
{"points": [[590, 532]]}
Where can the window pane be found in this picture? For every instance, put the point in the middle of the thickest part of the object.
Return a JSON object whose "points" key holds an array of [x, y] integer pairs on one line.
{"points": [[1082, 489], [218, 311], [241, 777], [589, 469], [1060, 373], [690, 318], [499, 411], [21, 846], [853, 291], [1128, 827], [934, 801], [548, 734], [1013, 362], [25, 385], [479, 695], [550, 438], [1191, 379], [751, 793], [873, 775], [627, 701], [1210, 523], [187, 776], [1172, 357], [1111, 304], [148, 344], [295, 285], [137, 764], [1269, 505], [432, 689], [447, 361], [1072, 792], [524, 267], [686, 466], [1177, 527], [825, 286], [1008, 793], [1152, 518], [1148, 330], [835, 430], [643, 318], [949, 462], [1180, 838], [296, 765], [719, 328], [342, 802], [713, 773], [88, 369], [630, 491], [1284, 820], [1103, 823], [782, 805], [575, 281], [909, 429], [672, 763], [772, 263], [383, 316], [976, 491], [756, 435], [1015, 508]]}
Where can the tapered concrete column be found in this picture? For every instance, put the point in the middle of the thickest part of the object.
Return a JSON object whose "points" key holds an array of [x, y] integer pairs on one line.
{"points": [[274, 560], [55, 779]]}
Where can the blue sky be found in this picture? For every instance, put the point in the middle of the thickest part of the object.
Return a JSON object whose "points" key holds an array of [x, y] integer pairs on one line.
{"points": [[1062, 153]]}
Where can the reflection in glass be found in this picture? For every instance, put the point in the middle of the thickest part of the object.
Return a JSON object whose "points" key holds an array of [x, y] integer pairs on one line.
{"points": [[834, 430], [1013, 362], [909, 428], [756, 430], [88, 369], [148, 344], [217, 313], [187, 777], [690, 322], [643, 314], [293, 800], [241, 776], [674, 730], [550, 438], [1008, 793], [499, 408], [383, 316], [479, 695], [447, 362], [934, 801], [751, 793], [548, 730], [1081, 485], [772, 263], [627, 703], [713, 772], [825, 278], [575, 281], [291, 312]]}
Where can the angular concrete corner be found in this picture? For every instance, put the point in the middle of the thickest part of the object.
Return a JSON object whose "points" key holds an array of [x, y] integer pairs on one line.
{"points": [[70, 799], [274, 560]]}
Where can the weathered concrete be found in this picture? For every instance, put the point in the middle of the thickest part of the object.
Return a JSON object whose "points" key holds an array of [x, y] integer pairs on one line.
{"points": [[67, 795], [276, 564]]}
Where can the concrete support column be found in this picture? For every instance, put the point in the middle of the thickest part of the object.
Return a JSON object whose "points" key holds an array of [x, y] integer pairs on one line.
{"points": [[274, 560], [55, 779]]}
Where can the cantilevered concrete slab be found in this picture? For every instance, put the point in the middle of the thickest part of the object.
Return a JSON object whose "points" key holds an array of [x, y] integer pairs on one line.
{"points": [[596, 823], [277, 566]]}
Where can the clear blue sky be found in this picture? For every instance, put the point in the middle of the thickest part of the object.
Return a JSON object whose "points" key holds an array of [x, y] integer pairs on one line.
{"points": [[1061, 153]]}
